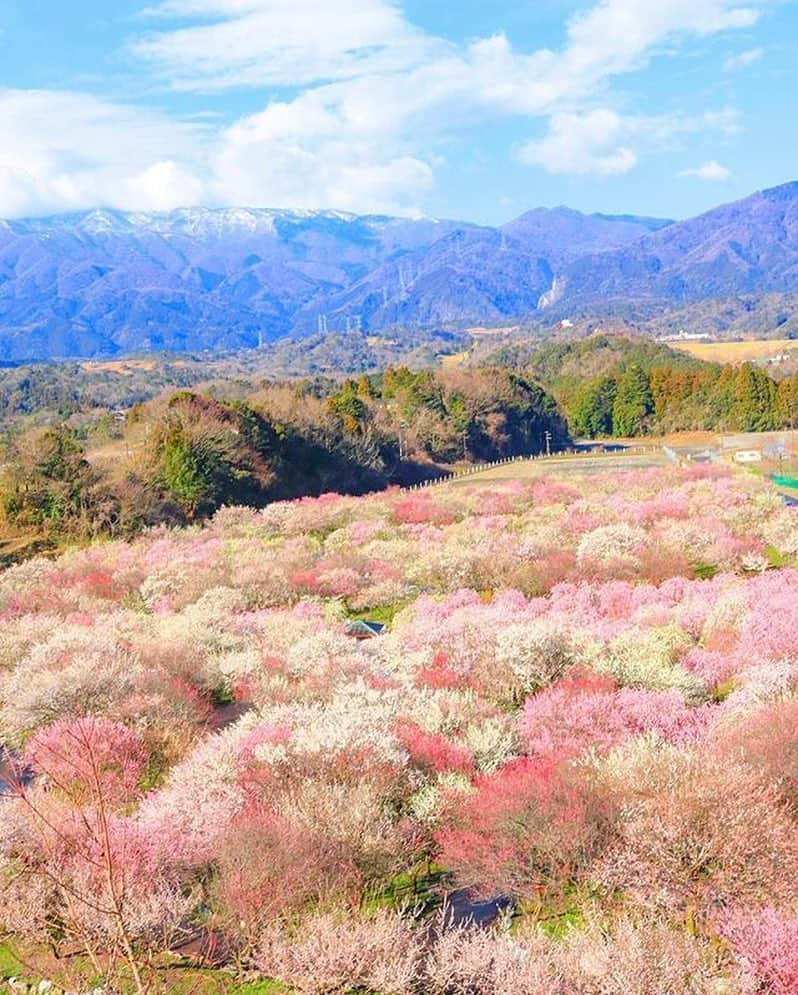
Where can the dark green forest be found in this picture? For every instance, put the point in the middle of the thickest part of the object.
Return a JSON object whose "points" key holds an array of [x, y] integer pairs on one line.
{"points": [[611, 386]]}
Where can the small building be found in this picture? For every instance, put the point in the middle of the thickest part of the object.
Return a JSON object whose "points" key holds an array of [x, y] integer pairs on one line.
{"points": [[748, 456], [362, 629]]}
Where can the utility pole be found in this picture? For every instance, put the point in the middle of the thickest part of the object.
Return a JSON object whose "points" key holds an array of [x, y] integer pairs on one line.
{"points": [[547, 437], [401, 433]]}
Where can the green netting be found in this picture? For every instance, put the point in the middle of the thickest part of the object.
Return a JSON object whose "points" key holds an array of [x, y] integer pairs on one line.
{"points": [[786, 481]]}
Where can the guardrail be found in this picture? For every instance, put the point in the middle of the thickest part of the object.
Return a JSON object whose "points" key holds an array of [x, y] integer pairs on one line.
{"points": [[563, 456]]}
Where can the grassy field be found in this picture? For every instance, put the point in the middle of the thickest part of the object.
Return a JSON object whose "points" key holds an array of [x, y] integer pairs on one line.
{"points": [[529, 469], [737, 352]]}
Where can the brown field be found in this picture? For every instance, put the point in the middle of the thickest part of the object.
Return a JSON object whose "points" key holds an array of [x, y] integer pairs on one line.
{"points": [[453, 359], [15, 548], [111, 453], [125, 367], [737, 352], [680, 440], [644, 452]]}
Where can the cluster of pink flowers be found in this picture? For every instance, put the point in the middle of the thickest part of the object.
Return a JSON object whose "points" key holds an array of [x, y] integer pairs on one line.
{"points": [[585, 700]]}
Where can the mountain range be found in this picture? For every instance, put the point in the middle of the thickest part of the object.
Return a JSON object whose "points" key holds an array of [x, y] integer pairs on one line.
{"points": [[105, 282]]}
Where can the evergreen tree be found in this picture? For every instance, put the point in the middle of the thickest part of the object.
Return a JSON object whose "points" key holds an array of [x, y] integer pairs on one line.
{"points": [[633, 403], [754, 403], [591, 411], [787, 402]]}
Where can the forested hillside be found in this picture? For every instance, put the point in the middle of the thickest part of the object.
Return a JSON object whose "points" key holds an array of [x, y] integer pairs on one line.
{"points": [[182, 456], [617, 386], [77, 463]]}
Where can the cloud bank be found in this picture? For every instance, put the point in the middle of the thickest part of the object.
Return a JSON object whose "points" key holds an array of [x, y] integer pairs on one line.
{"points": [[358, 104]]}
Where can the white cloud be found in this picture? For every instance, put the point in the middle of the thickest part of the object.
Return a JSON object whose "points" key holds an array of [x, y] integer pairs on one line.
{"points": [[315, 151], [366, 98], [581, 144], [65, 151], [711, 171], [299, 42], [742, 60], [602, 142], [378, 93], [162, 185], [283, 42], [726, 121]]}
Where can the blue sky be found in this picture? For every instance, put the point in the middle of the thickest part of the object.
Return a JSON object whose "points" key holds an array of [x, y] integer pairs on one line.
{"points": [[457, 109]]}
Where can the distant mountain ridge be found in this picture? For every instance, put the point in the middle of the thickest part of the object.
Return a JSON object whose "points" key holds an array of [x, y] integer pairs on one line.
{"points": [[106, 282], [747, 247]]}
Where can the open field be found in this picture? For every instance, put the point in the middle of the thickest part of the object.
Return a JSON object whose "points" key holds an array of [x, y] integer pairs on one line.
{"points": [[454, 359], [528, 469], [737, 352], [125, 367], [635, 454]]}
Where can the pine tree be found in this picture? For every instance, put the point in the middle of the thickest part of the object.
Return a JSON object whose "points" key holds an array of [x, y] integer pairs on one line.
{"points": [[591, 412], [754, 407], [633, 402]]}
